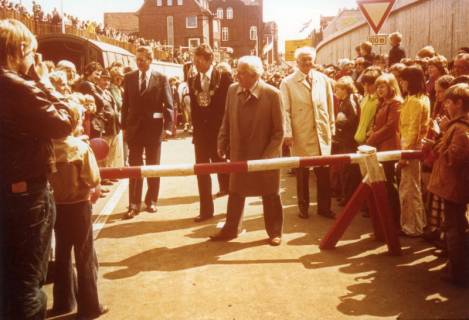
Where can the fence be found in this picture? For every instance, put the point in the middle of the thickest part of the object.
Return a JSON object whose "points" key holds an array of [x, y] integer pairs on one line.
{"points": [[443, 24]]}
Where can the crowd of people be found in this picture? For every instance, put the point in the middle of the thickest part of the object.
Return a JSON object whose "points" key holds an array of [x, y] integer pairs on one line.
{"points": [[51, 116], [54, 18]]}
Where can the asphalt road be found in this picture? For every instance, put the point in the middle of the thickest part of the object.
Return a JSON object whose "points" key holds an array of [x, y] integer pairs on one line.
{"points": [[161, 266]]}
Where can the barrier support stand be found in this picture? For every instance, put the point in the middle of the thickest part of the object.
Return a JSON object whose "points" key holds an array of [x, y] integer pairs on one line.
{"points": [[371, 190]]}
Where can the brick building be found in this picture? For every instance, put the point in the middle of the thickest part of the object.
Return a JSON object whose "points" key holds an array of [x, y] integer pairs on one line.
{"points": [[270, 43], [234, 25]]}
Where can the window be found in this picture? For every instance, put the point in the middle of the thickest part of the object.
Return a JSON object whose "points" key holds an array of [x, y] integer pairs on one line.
{"points": [[253, 33], [229, 13], [170, 3], [216, 26], [180, 2], [191, 22], [159, 3], [193, 42], [220, 13], [224, 34]]}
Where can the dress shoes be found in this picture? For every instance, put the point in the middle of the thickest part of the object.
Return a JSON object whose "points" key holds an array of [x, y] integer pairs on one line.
{"points": [[222, 236], [202, 218], [130, 214], [221, 193], [275, 241], [151, 208], [303, 213], [102, 310], [329, 215]]}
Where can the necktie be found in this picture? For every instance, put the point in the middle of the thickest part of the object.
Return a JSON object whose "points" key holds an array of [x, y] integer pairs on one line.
{"points": [[308, 79], [143, 83], [205, 82]]}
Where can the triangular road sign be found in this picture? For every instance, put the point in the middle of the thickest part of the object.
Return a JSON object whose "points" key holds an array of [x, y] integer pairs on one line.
{"points": [[375, 11]]}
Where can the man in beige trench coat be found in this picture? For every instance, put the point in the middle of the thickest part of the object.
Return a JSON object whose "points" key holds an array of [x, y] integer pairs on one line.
{"points": [[309, 126], [252, 128]]}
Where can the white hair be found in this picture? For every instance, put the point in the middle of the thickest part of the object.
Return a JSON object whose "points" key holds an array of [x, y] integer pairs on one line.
{"points": [[254, 64], [66, 64], [310, 51]]}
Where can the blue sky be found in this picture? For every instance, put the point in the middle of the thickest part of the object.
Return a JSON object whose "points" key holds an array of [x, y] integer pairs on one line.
{"points": [[289, 14]]}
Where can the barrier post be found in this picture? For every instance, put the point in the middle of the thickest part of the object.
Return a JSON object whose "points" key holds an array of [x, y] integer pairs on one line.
{"points": [[373, 191]]}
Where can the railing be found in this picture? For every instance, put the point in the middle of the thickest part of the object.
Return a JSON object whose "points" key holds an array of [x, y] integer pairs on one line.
{"points": [[40, 28]]}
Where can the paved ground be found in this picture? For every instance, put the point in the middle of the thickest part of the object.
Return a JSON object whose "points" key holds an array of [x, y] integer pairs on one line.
{"points": [[161, 266]]}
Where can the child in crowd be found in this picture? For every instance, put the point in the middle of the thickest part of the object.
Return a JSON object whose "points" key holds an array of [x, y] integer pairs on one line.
{"points": [[346, 125], [450, 179], [76, 186], [413, 126], [368, 105], [396, 53], [384, 134]]}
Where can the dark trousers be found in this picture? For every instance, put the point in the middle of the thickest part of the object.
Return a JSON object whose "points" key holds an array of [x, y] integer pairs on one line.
{"points": [[207, 153], [323, 189], [152, 156], [351, 179], [73, 230], [393, 194], [26, 221], [455, 226], [273, 214]]}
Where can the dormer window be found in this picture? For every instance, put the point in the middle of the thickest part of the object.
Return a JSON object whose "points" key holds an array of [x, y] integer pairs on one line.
{"points": [[220, 13], [229, 13]]}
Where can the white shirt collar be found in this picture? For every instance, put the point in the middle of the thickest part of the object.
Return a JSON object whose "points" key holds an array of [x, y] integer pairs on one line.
{"points": [[147, 75], [208, 73]]}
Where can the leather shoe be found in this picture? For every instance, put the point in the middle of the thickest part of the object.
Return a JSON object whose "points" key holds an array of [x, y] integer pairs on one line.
{"points": [[202, 218], [102, 310], [275, 241], [222, 236], [130, 214], [330, 214], [151, 208], [221, 193]]}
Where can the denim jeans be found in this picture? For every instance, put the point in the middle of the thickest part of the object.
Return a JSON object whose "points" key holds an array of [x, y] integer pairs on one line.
{"points": [[26, 222]]}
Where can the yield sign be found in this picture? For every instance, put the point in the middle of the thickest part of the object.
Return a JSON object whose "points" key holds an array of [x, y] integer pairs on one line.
{"points": [[375, 11]]}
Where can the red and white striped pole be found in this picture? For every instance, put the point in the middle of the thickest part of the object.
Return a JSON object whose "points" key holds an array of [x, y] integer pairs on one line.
{"points": [[248, 166]]}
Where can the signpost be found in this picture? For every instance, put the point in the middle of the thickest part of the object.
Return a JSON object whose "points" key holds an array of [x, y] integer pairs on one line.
{"points": [[375, 12], [292, 45], [378, 39]]}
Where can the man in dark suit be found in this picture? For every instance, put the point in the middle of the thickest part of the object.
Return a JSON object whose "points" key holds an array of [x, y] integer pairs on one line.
{"points": [[146, 110], [207, 90]]}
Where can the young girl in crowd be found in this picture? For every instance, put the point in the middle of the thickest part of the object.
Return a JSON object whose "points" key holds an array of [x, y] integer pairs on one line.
{"points": [[450, 179], [413, 126], [346, 125], [384, 134]]}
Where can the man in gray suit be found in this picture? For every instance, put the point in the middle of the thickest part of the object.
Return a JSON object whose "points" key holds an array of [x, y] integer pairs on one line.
{"points": [[147, 109], [252, 128]]}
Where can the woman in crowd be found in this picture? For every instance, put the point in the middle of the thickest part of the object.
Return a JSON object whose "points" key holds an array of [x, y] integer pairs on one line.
{"points": [[413, 126], [435, 69], [450, 179], [384, 135], [438, 120]]}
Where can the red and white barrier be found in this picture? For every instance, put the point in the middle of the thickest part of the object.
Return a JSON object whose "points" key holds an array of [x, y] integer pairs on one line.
{"points": [[372, 190], [249, 166]]}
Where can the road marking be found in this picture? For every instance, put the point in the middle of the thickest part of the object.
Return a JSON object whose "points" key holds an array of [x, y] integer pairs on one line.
{"points": [[111, 204]]}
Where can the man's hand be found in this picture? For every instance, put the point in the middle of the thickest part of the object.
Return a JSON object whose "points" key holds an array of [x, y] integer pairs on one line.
{"points": [[288, 141]]}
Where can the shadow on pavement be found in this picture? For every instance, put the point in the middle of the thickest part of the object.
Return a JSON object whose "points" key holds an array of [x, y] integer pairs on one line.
{"points": [[394, 286], [180, 258]]}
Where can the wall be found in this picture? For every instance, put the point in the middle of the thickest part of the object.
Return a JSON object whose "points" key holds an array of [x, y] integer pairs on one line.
{"points": [[441, 23]]}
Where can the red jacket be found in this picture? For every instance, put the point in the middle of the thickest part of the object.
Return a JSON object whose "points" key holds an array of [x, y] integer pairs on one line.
{"points": [[384, 135]]}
